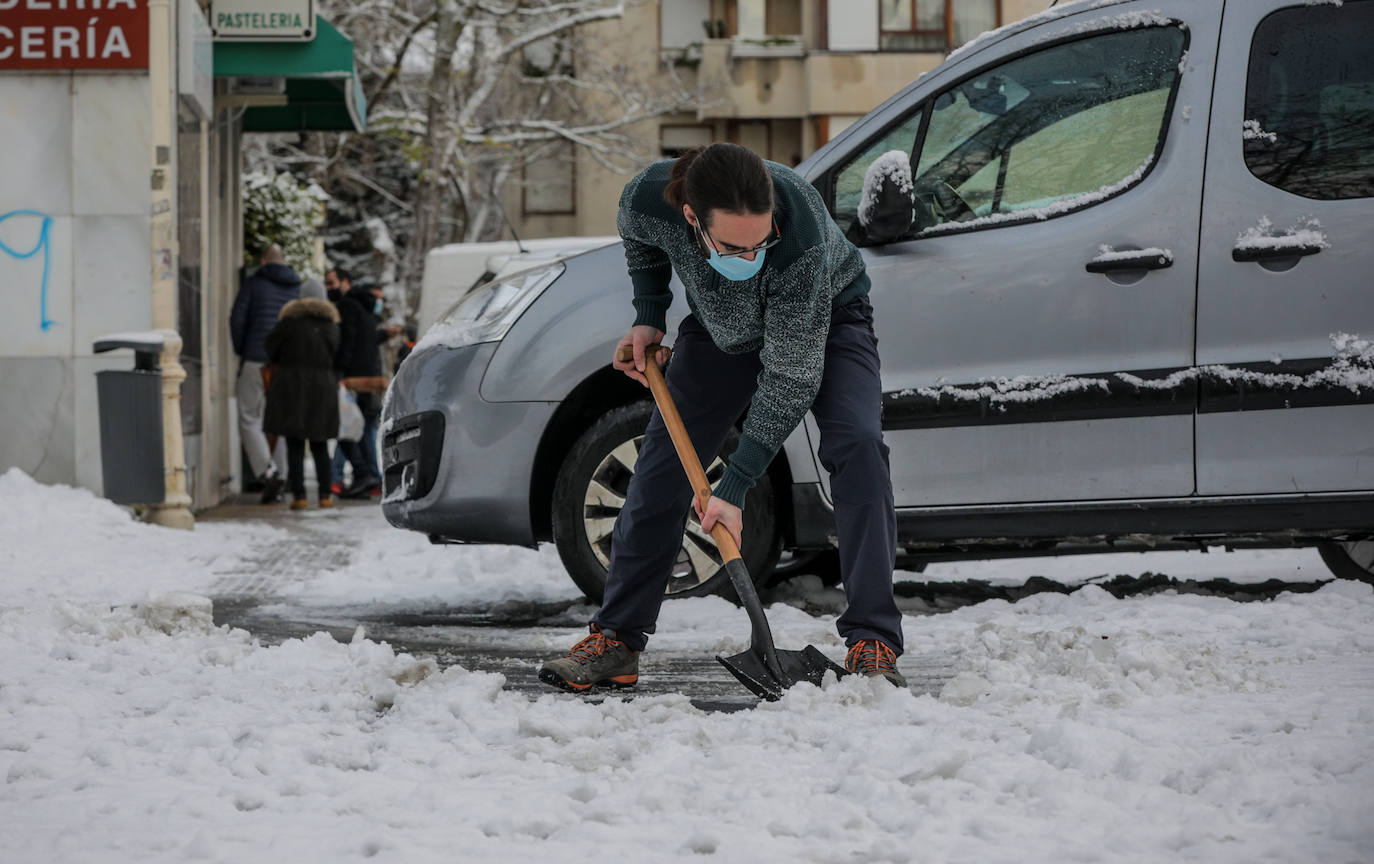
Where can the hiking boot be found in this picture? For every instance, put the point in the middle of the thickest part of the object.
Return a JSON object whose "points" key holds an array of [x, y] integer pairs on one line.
{"points": [[326, 502], [300, 503], [597, 660], [873, 658]]}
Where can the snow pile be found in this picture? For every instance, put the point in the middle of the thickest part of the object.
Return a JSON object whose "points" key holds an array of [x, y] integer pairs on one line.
{"points": [[1306, 234], [1252, 131], [57, 541], [394, 568], [1012, 666], [1074, 727]]}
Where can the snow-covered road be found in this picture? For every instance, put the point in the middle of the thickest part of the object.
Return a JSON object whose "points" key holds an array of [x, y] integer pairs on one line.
{"points": [[1074, 727]]}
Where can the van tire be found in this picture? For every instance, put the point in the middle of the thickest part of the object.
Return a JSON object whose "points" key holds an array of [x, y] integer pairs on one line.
{"points": [[573, 517], [1349, 560]]}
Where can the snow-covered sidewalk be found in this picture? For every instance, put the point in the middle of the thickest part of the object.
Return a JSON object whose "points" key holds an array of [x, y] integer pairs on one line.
{"points": [[1078, 728]]}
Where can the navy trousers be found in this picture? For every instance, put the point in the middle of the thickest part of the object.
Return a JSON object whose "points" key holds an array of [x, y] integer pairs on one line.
{"points": [[712, 389]]}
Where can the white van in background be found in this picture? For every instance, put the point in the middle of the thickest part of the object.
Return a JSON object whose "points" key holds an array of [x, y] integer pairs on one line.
{"points": [[452, 270]]}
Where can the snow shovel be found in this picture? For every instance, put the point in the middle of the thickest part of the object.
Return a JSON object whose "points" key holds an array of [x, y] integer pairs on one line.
{"points": [[765, 669]]}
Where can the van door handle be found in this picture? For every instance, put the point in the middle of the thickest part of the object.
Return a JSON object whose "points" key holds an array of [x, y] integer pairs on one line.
{"points": [[1270, 253], [1144, 259]]}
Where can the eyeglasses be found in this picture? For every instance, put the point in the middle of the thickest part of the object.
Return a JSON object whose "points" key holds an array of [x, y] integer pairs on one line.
{"points": [[772, 240]]}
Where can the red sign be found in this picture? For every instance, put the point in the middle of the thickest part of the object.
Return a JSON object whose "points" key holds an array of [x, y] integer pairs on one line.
{"points": [[73, 34]]}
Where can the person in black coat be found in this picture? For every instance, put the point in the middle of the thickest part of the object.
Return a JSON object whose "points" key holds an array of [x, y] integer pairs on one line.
{"points": [[303, 398], [359, 356]]}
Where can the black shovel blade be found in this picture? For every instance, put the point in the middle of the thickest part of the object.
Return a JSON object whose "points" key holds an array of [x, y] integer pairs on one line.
{"points": [[750, 667]]}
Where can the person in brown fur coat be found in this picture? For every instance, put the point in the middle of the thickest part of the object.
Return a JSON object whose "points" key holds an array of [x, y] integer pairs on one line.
{"points": [[303, 398]]}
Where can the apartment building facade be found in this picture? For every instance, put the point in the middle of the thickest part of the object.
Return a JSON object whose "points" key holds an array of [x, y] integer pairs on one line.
{"points": [[781, 77]]}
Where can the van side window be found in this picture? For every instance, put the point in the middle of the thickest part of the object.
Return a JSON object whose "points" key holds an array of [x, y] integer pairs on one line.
{"points": [[1309, 101], [1049, 132]]}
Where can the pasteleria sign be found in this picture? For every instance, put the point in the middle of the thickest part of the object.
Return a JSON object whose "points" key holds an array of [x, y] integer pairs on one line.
{"points": [[73, 34], [262, 20]]}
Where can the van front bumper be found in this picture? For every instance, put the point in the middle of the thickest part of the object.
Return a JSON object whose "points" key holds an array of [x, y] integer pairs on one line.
{"points": [[454, 465]]}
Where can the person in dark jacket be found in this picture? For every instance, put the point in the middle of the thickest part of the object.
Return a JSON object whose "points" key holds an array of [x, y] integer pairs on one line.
{"points": [[254, 314], [359, 356], [303, 399]]}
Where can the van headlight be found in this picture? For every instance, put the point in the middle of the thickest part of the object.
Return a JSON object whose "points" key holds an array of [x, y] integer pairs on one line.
{"points": [[487, 312]]}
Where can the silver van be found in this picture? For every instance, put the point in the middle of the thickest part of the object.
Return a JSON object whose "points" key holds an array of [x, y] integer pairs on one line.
{"points": [[1124, 301]]}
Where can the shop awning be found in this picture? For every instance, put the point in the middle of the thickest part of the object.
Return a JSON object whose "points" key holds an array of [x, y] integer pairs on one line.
{"points": [[322, 88]]}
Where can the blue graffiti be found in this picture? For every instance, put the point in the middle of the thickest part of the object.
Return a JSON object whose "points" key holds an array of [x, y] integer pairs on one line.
{"points": [[40, 246]]}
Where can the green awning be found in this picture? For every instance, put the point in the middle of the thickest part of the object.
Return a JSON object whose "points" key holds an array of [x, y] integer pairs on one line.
{"points": [[322, 88]]}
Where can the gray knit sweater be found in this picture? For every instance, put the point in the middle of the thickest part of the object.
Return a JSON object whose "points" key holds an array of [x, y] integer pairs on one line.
{"points": [[783, 312]]}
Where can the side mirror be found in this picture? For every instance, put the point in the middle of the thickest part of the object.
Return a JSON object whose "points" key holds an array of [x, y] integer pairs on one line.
{"points": [[887, 210]]}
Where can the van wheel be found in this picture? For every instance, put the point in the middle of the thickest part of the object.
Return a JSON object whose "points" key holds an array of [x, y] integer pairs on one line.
{"points": [[591, 488], [1350, 560]]}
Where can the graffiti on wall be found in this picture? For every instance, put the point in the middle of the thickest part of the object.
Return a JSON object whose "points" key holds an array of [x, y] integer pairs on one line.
{"points": [[41, 246]]}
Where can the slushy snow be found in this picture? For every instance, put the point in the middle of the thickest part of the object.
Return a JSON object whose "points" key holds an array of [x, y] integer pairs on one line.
{"points": [[1074, 728]]}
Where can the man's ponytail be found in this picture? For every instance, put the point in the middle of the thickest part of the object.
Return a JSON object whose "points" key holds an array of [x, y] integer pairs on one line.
{"points": [[720, 177], [675, 193]]}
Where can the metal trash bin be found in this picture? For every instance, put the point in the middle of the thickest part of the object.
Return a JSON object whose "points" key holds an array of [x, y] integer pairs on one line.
{"points": [[130, 408]]}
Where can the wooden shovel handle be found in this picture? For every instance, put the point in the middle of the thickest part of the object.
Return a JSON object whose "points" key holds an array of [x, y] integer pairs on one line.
{"points": [[681, 442]]}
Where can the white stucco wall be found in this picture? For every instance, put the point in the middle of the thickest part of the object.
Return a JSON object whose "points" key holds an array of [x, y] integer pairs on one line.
{"points": [[74, 186]]}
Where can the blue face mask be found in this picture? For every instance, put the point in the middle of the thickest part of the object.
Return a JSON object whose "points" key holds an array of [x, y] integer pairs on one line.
{"points": [[737, 269], [377, 306]]}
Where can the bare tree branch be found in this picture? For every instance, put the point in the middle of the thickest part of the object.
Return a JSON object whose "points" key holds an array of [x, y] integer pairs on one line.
{"points": [[395, 71]]}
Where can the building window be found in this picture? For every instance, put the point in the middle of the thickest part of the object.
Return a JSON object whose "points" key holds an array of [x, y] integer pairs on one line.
{"points": [[676, 140], [933, 25], [682, 23], [550, 182]]}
